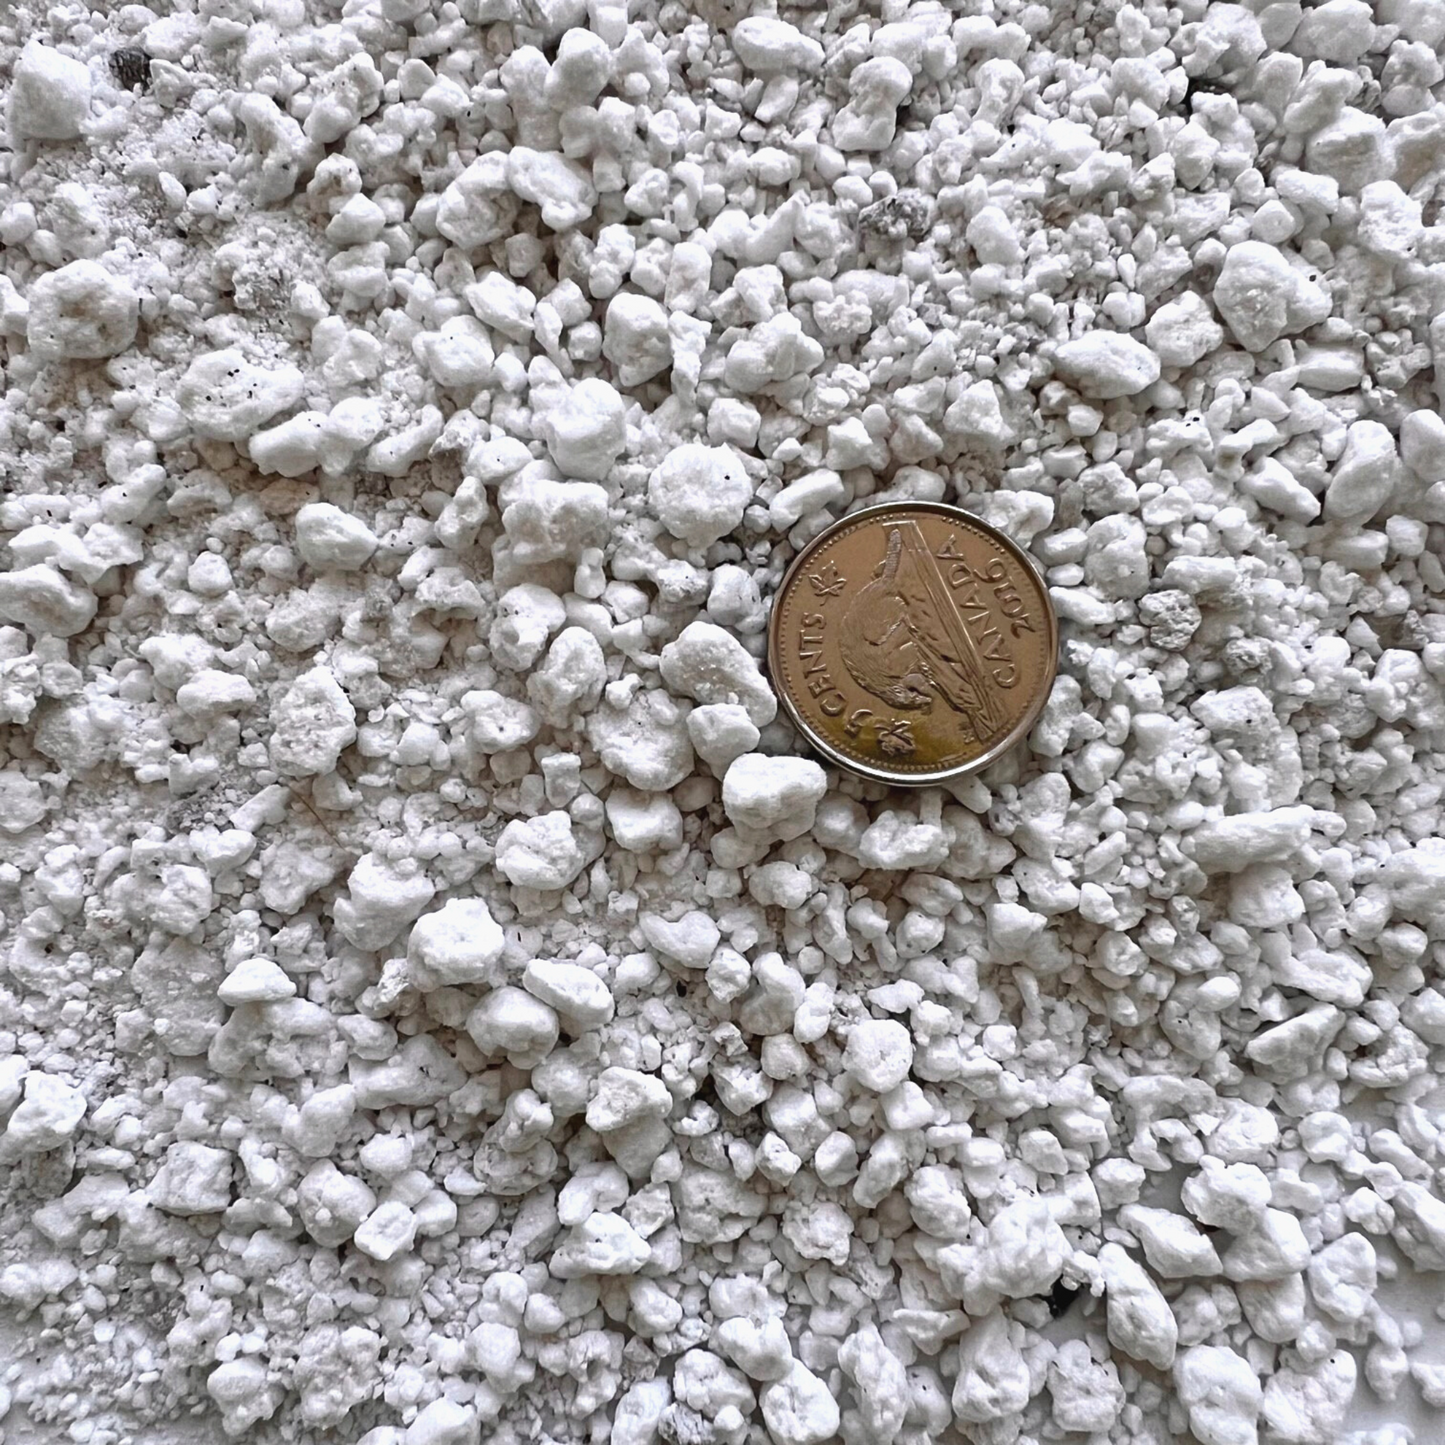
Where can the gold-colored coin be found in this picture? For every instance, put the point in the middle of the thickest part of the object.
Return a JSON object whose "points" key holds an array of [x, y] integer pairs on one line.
{"points": [[912, 643]]}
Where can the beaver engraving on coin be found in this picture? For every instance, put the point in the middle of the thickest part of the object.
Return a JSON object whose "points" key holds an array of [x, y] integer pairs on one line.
{"points": [[904, 641]]}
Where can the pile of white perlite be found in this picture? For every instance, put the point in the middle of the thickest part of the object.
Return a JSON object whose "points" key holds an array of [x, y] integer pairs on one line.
{"points": [[441, 1001]]}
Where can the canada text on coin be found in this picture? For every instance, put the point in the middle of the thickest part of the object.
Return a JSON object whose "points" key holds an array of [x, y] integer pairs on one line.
{"points": [[912, 642]]}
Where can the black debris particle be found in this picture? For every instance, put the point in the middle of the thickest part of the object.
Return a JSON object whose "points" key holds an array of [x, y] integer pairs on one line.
{"points": [[909, 214], [132, 66], [1060, 1298]]}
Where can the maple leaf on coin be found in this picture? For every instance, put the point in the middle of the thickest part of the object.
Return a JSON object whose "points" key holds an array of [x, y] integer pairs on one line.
{"points": [[895, 737], [827, 581]]}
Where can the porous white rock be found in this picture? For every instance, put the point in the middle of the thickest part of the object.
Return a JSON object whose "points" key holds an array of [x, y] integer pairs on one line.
{"points": [[699, 493], [389, 1230], [1140, 1322], [475, 208], [510, 1021], [1233, 843], [256, 980], [1173, 1246], [690, 940], [770, 46], [547, 520], [1391, 223], [799, 1409], [459, 354], [49, 94], [1422, 444], [721, 732], [1086, 1393], [603, 1244], [773, 352], [636, 338], [45, 1118], [625, 1096], [586, 430], [539, 852], [227, 397], [805, 496], [461, 943], [1183, 331], [762, 1351], [1307, 1404], [869, 121], [644, 741], [1415, 878], [193, 1178], [879, 1380], [22, 802], [311, 722], [994, 237], [878, 1054], [577, 994], [1365, 475], [639, 1410], [1291, 1048], [557, 185], [395, 801], [1262, 294], [83, 311], [1023, 1254], [1275, 1248], [1339, 31], [648, 822], [503, 305], [382, 896], [212, 692], [1230, 1197], [570, 680], [1273, 485], [777, 797], [1107, 364], [243, 1392], [993, 1377], [1222, 1393], [496, 723], [526, 617], [1343, 1277], [1352, 150], [45, 601], [328, 537], [977, 417], [444, 1422], [581, 68], [897, 840], [710, 665]]}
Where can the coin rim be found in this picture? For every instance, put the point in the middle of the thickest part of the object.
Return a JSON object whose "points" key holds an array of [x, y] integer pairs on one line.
{"points": [[941, 775]]}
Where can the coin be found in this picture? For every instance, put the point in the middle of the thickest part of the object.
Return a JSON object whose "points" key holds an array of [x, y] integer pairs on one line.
{"points": [[912, 643]]}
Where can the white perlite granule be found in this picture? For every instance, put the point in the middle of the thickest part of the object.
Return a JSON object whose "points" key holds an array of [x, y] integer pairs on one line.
{"points": [[439, 1000]]}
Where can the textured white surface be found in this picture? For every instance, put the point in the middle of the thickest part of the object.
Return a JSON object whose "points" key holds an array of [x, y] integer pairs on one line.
{"points": [[439, 1002]]}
